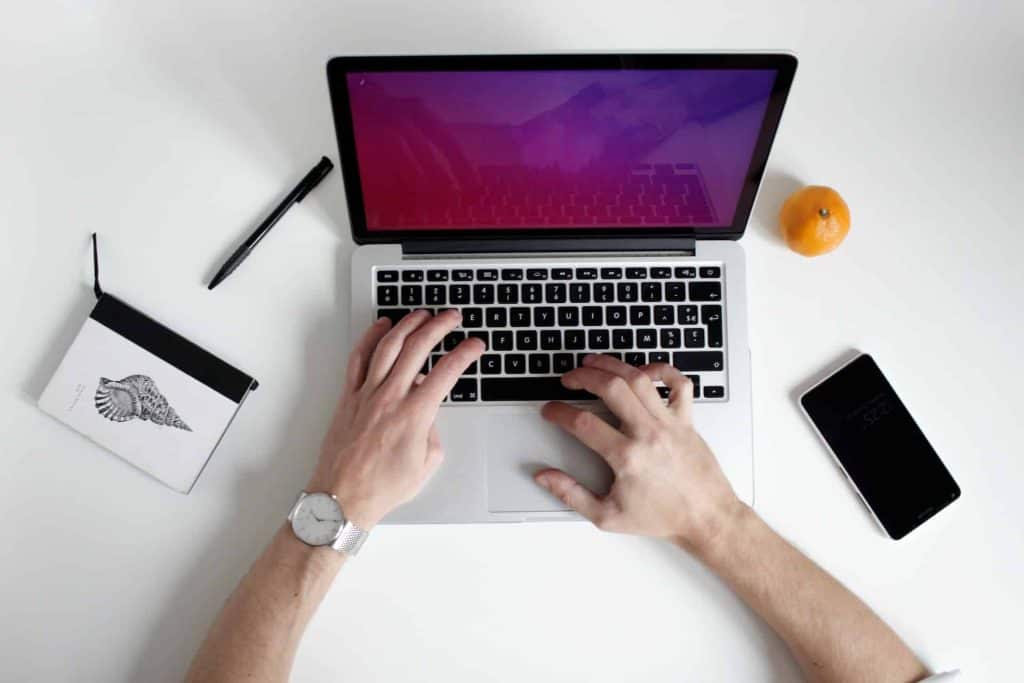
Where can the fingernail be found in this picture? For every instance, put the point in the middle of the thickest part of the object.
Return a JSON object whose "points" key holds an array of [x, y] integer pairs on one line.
{"points": [[542, 480], [588, 359]]}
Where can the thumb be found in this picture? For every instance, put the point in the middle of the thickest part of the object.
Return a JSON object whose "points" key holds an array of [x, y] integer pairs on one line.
{"points": [[571, 492]]}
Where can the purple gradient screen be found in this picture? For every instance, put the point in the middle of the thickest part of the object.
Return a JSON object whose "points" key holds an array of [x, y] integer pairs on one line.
{"points": [[506, 149]]}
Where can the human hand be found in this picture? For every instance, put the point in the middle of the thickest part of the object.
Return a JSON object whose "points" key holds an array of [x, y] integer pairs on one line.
{"points": [[382, 445], [667, 482]]}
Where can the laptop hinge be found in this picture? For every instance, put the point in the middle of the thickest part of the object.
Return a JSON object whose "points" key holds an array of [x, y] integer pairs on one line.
{"points": [[662, 245]]}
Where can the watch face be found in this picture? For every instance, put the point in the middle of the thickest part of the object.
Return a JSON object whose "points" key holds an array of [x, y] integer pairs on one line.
{"points": [[318, 519]]}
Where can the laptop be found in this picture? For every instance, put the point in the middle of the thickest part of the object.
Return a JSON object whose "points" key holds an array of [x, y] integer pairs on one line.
{"points": [[567, 204]]}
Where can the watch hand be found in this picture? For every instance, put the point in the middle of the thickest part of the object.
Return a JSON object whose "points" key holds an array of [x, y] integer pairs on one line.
{"points": [[315, 517]]}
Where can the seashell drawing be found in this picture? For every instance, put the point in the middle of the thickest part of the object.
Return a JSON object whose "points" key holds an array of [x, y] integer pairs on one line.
{"points": [[135, 398]]}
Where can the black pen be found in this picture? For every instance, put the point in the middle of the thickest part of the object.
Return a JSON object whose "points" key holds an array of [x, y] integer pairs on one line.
{"points": [[311, 180]]}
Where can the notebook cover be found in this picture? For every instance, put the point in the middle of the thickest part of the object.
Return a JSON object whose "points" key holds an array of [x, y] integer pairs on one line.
{"points": [[145, 393]]}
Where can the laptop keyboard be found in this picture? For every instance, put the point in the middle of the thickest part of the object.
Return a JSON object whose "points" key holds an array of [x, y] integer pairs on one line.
{"points": [[539, 322]]}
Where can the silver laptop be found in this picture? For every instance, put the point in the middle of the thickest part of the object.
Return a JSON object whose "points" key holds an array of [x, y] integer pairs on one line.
{"points": [[567, 204]]}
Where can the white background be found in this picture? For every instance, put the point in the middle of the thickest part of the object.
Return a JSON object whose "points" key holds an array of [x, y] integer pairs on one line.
{"points": [[172, 127]]}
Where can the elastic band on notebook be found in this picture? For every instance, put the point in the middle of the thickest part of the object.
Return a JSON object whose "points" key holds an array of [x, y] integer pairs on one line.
{"points": [[96, 269]]}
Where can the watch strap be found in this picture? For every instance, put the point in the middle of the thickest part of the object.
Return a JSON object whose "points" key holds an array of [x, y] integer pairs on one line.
{"points": [[350, 538]]}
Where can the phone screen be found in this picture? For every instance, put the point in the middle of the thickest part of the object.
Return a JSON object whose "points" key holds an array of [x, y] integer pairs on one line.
{"points": [[884, 452]]}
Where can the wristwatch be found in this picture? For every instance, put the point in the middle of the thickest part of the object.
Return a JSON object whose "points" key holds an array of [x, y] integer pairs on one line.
{"points": [[317, 520]]}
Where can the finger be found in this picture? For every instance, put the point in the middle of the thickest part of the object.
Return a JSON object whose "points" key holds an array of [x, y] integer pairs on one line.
{"points": [[390, 346], [572, 493], [359, 359], [447, 371], [589, 429], [613, 390], [638, 381], [680, 398], [416, 349]]}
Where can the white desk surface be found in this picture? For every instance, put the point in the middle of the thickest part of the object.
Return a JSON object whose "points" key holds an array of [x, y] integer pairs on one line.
{"points": [[172, 127]]}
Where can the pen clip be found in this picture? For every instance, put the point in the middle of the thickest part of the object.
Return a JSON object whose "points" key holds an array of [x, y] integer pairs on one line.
{"points": [[97, 290]]}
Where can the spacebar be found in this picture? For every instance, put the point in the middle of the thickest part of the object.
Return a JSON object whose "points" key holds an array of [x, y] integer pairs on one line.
{"points": [[529, 389]]}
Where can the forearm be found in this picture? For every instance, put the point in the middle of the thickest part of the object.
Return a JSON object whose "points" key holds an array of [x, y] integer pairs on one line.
{"points": [[833, 635], [258, 630]]}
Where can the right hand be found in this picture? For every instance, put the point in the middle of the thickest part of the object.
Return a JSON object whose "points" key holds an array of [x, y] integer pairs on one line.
{"points": [[667, 482]]}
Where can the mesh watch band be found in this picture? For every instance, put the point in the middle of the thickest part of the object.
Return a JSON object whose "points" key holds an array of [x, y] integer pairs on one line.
{"points": [[350, 539]]}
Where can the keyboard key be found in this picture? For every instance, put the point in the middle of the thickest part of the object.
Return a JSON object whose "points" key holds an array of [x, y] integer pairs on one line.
{"points": [[635, 358], [664, 315], [496, 317], [579, 293], [593, 315], [452, 339], [561, 273], [646, 338], [464, 390], [526, 340], [675, 291], [636, 273], [529, 389], [562, 363], [490, 364], [604, 292], [515, 364], [693, 338], [658, 357], [615, 315], [387, 295], [611, 273], [483, 294], [695, 361], [459, 294], [695, 380], [519, 316], [650, 291], [481, 335], [511, 274], [437, 276], [487, 274], [628, 291], [580, 358], [710, 272], [472, 317], [622, 338], [537, 274], [412, 295], [686, 272], [436, 295], [614, 354], [597, 339], [586, 273], [412, 276], [508, 294], [501, 340], [554, 293], [435, 358], [714, 392], [544, 316], [471, 370], [462, 275], [531, 294], [705, 291], [711, 315], [661, 273], [568, 316], [551, 340], [687, 315], [393, 314], [540, 363], [670, 338], [387, 276], [639, 315], [575, 339]]}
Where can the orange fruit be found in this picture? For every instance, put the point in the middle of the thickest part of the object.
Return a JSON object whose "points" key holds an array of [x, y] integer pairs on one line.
{"points": [[814, 220]]}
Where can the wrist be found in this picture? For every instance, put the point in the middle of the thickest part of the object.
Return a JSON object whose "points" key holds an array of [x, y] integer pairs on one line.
{"points": [[358, 508], [713, 534]]}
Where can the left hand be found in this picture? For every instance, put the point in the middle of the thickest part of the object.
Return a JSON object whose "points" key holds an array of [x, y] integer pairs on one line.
{"points": [[382, 446]]}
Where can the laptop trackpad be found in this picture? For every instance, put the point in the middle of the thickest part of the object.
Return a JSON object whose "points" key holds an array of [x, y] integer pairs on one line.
{"points": [[518, 446]]}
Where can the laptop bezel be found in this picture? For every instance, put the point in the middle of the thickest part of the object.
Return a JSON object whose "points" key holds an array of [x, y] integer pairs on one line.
{"points": [[338, 67]]}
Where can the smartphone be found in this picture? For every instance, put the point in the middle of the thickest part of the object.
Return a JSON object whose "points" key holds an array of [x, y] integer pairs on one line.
{"points": [[885, 455]]}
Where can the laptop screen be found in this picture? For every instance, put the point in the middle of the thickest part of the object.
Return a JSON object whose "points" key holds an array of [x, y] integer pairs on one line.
{"points": [[556, 149]]}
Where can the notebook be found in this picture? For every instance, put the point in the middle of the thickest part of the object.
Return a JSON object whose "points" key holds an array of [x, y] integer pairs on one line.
{"points": [[145, 393]]}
